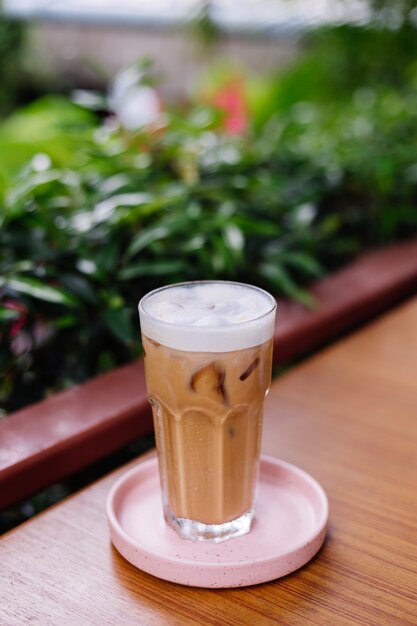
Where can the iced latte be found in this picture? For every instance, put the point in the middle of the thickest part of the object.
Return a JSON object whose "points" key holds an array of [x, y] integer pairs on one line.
{"points": [[208, 354]]}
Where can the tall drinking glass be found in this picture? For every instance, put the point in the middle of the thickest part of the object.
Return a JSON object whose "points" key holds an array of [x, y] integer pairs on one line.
{"points": [[208, 354]]}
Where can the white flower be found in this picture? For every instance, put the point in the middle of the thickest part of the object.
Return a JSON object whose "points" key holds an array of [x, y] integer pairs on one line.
{"points": [[136, 105]]}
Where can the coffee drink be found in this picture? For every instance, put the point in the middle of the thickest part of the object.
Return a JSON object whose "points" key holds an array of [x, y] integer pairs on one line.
{"points": [[208, 354]]}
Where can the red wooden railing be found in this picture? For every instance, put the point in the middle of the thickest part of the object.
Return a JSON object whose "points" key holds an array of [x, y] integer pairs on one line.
{"points": [[52, 439]]}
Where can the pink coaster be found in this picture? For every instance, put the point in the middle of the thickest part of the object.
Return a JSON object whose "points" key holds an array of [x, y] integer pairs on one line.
{"points": [[288, 530]]}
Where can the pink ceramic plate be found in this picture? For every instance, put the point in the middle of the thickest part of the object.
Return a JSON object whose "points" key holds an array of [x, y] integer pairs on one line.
{"points": [[288, 530]]}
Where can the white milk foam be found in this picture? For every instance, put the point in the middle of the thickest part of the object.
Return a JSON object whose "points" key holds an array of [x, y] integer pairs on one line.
{"points": [[208, 316]]}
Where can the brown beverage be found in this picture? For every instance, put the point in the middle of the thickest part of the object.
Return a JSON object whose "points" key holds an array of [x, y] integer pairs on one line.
{"points": [[207, 406]]}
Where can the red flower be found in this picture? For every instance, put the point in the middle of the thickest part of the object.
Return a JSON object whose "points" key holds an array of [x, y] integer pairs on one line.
{"points": [[231, 100], [19, 322]]}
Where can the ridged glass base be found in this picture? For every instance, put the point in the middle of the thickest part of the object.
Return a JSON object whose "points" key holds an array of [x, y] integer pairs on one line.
{"points": [[215, 533]]}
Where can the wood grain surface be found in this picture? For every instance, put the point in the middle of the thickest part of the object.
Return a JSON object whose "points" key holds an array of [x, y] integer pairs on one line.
{"points": [[349, 417]]}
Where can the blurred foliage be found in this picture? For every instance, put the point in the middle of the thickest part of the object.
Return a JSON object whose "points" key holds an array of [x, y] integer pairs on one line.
{"points": [[202, 26], [20, 83], [93, 216], [11, 47], [393, 14], [337, 62]]}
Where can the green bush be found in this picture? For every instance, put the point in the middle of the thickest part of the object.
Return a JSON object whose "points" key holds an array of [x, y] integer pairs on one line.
{"points": [[21, 78], [93, 216], [11, 49]]}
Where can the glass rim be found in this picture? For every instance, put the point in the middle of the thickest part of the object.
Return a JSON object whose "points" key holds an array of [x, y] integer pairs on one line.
{"points": [[146, 314]]}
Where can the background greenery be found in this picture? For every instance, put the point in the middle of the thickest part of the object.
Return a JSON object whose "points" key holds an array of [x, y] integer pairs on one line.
{"points": [[93, 216], [21, 79]]}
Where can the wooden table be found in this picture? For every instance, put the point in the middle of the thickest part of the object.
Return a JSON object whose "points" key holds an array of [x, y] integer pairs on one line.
{"points": [[349, 417]]}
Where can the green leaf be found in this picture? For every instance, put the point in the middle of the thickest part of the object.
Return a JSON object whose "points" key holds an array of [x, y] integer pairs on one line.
{"points": [[106, 361], [37, 289], [20, 266], [303, 262], [109, 256], [80, 287], [107, 209], [67, 321], [234, 238], [31, 185], [283, 282], [193, 244], [8, 315], [152, 268], [119, 323], [145, 237], [257, 227]]}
